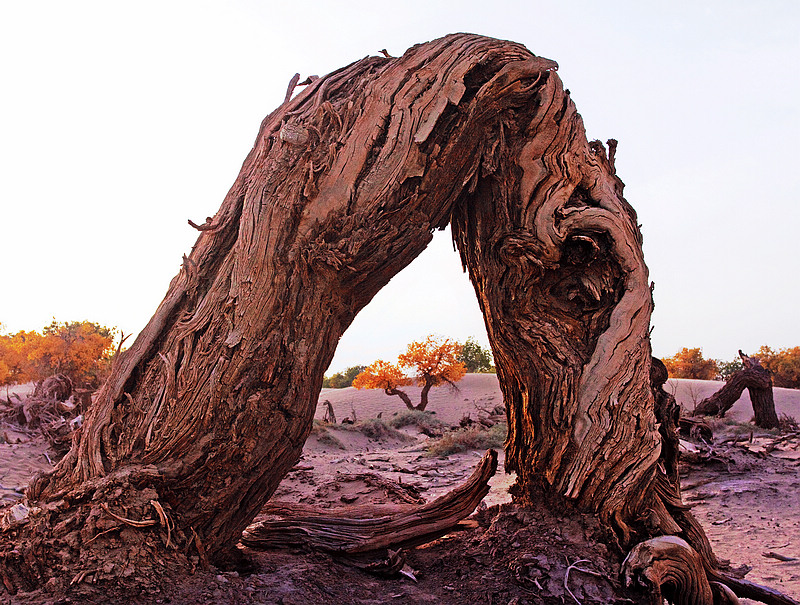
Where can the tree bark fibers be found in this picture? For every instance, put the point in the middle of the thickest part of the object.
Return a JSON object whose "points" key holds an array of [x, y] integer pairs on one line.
{"points": [[369, 528]]}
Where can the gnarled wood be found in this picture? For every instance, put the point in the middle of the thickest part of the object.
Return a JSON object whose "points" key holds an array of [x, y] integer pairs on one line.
{"points": [[758, 381], [360, 529], [211, 405], [670, 568]]}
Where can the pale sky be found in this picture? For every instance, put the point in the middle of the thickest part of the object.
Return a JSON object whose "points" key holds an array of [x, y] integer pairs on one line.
{"points": [[121, 120]]}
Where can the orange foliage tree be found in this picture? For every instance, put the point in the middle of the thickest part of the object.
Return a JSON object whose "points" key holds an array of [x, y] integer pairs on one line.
{"points": [[386, 376], [14, 362], [784, 365], [431, 363], [80, 349], [689, 363]]}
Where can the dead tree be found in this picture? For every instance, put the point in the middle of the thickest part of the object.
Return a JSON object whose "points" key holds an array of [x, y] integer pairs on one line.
{"points": [[758, 382], [210, 407]]}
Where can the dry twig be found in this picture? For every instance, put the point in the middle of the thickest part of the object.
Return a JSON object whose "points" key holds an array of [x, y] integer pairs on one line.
{"points": [[574, 566], [131, 522]]}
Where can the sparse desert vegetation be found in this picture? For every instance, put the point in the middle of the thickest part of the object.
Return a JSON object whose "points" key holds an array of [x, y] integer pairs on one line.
{"points": [[475, 437]]}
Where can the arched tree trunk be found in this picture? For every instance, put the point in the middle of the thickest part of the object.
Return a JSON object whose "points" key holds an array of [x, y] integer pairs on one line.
{"points": [[210, 407], [758, 382]]}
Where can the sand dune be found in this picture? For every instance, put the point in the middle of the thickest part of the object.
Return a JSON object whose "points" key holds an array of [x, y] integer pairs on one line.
{"points": [[483, 390]]}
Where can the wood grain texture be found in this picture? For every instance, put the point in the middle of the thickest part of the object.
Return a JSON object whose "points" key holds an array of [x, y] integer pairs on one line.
{"points": [[226, 374], [671, 569]]}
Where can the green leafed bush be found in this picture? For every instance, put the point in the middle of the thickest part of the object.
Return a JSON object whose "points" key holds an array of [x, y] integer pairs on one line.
{"points": [[342, 380]]}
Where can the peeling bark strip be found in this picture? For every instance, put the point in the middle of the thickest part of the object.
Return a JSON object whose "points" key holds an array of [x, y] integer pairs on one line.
{"points": [[758, 381], [361, 529]]}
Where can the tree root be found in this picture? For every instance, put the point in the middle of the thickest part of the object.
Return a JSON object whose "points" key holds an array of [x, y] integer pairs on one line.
{"points": [[669, 568]]}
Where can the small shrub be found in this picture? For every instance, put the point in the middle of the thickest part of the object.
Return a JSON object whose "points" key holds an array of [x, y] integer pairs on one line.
{"points": [[319, 426], [426, 422], [320, 430], [325, 437], [471, 438], [377, 429], [788, 423]]}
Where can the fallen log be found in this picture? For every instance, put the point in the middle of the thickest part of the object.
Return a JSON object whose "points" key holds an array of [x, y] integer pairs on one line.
{"points": [[361, 529]]}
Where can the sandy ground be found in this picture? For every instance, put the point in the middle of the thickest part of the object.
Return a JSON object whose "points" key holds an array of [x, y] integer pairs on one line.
{"points": [[747, 504], [745, 498]]}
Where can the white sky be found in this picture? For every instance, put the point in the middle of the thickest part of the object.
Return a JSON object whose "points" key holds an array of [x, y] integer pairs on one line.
{"points": [[121, 120]]}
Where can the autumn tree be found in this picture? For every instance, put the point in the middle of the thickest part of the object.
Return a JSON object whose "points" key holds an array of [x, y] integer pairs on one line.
{"points": [[784, 365], [210, 407], [386, 376], [14, 363], [79, 349], [474, 357], [430, 362], [689, 363]]}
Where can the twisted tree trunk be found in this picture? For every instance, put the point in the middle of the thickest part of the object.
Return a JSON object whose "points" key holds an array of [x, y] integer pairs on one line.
{"points": [[206, 412], [402, 395], [758, 382], [423, 396]]}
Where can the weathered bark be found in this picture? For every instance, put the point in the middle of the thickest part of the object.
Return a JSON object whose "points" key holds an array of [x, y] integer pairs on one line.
{"points": [[758, 382], [670, 566], [210, 407], [554, 253]]}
